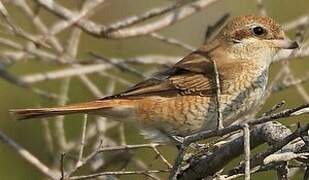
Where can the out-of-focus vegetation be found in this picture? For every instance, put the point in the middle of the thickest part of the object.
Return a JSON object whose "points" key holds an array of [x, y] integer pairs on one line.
{"points": [[191, 31]]}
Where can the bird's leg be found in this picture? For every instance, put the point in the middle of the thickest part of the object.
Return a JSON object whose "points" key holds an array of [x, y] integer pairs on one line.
{"points": [[180, 140]]}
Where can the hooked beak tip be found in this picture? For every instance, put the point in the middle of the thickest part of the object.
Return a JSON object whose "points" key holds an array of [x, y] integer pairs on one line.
{"points": [[293, 45]]}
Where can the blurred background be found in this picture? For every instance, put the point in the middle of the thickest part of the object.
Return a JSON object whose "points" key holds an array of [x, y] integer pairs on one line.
{"points": [[191, 31]]}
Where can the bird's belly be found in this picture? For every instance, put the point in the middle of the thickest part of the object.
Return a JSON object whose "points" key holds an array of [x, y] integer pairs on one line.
{"points": [[181, 115], [184, 115]]}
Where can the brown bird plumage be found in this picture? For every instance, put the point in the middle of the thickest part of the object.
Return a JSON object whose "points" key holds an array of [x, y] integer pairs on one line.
{"points": [[182, 99]]}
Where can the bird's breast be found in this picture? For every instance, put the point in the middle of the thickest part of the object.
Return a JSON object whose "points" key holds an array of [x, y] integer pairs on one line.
{"points": [[238, 103]]}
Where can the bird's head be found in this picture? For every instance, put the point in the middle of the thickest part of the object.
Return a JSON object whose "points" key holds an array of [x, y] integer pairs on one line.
{"points": [[254, 37]]}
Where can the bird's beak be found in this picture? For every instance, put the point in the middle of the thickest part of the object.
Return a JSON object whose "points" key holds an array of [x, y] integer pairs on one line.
{"points": [[285, 43]]}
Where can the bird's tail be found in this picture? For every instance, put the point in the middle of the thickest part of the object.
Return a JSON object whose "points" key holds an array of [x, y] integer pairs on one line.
{"points": [[87, 107]]}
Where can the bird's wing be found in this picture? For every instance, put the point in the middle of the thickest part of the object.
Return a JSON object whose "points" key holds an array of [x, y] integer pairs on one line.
{"points": [[194, 74]]}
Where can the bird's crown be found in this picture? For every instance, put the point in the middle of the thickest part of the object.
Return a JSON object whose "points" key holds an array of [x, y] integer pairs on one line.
{"points": [[252, 26]]}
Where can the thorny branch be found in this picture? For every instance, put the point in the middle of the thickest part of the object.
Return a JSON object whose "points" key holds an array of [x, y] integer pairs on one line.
{"points": [[94, 148]]}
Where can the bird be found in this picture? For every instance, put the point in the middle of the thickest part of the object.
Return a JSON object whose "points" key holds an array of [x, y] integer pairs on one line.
{"points": [[229, 74]]}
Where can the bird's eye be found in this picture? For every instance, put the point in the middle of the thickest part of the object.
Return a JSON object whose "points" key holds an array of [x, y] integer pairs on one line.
{"points": [[258, 30]]}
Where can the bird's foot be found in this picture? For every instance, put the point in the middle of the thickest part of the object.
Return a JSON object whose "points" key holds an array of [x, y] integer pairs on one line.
{"points": [[180, 141]]}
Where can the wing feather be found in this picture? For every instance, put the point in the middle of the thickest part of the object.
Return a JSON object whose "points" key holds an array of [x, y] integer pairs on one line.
{"points": [[194, 74]]}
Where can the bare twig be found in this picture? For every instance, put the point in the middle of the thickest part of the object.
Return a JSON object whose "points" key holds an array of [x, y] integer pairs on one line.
{"points": [[118, 173], [47, 135], [155, 149], [17, 30], [178, 161], [83, 141], [121, 32], [38, 23], [62, 166], [213, 30], [87, 10], [306, 174], [212, 133], [122, 66], [261, 8], [218, 95], [171, 41], [58, 123], [200, 167], [285, 156], [246, 133], [128, 147], [301, 21], [208, 134], [86, 69], [258, 158], [30, 158], [274, 108], [91, 86]]}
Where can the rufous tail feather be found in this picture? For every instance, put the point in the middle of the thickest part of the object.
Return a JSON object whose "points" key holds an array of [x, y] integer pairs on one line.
{"points": [[87, 107]]}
